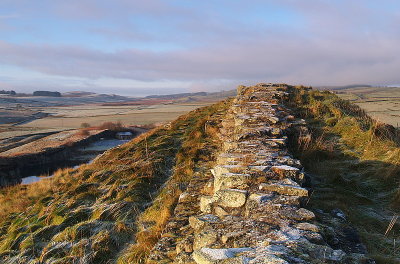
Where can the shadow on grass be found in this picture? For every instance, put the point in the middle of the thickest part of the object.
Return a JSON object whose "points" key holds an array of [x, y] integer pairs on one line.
{"points": [[366, 190]]}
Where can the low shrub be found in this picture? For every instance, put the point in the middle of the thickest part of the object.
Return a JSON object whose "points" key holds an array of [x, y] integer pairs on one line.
{"points": [[112, 126], [83, 132]]}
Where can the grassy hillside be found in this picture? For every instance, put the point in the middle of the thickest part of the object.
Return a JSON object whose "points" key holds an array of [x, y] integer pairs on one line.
{"points": [[382, 103], [355, 166], [115, 209], [90, 213]]}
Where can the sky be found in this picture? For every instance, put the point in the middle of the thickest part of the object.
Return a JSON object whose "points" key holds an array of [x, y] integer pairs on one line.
{"points": [[133, 47]]}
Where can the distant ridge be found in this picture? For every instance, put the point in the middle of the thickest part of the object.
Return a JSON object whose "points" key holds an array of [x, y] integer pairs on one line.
{"points": [[175, 96], [343, 87], [46, 93]]}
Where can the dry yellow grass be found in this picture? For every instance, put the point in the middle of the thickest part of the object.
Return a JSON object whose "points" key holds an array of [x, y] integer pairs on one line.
{"points": [[17, 198], [201, 138]]}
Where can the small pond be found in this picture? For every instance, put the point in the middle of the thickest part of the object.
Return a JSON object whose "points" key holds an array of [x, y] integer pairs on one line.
{"points": [[82, 155]]}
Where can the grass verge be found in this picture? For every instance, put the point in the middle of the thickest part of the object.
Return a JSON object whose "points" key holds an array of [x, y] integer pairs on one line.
{"points": [[199, 145], [355, 164]]}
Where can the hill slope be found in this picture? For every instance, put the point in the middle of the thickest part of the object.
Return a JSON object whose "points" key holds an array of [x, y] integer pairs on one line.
{"points": [[156, 199], [90, 213]]}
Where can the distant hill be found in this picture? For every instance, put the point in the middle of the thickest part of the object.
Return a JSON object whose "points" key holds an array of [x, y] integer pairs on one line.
{"points": [[77, 94], [175, 96], [343, 87], [7, 92], [46, 93], [193, 97], [46, 98]]}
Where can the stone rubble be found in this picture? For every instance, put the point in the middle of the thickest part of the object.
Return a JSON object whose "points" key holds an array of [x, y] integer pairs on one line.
{"points": [[252, 210]]}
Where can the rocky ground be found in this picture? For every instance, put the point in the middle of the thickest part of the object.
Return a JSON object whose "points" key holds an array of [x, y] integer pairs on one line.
{"points": [[249, 208]]}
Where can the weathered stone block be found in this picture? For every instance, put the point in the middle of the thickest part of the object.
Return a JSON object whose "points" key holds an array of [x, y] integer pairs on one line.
{"points": [[228, 144], [184, 197], [205, 204], [287, 160], [259, 169], [241, 89], [220, 256], [315, 238], [230, 180], [240, 119], [307, 227], [260, 198], [271, 254], [276, 131], [228, 158], [284, 189], [285, 171], [221, 169], [220, 212], [205, 238], [304, 214], [273, 119], [231, 197], [185, 245], [198, 222], [268, 259], [231, 235], [324, 253]]}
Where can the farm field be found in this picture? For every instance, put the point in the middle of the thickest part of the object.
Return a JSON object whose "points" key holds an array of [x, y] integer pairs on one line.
{"points": [[73, 116], [23, 117], [382, 103], [33, 126], [15, 131]]}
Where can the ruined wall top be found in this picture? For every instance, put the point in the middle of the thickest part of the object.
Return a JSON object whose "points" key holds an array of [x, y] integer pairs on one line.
{"points": [[252, 209]]}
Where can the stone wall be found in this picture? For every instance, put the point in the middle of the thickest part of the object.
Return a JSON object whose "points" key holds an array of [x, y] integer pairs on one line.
{"points": [[250, 208]]}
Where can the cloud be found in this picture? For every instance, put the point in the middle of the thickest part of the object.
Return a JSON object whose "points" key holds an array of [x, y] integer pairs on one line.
{"points": [[299, 59], [311, 42]]}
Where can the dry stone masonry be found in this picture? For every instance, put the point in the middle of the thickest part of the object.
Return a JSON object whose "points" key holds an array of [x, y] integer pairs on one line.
{"points": [[250, 210]]}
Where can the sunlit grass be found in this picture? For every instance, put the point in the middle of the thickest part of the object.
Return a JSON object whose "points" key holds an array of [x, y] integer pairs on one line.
{"points": [[95, 208]]}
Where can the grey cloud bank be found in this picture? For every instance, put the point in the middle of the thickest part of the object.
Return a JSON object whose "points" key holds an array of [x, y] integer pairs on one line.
{"points": [[329, 43]]}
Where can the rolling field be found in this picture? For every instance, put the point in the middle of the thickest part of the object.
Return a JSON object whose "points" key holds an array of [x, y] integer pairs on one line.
{"points": [[73, 116], [24, 117], [382, 103], [29, 124]]}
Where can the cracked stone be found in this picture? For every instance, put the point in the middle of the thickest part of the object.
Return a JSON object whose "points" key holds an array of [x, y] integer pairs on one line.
{"points": [[220, 256], [230, 180], [198, 222], [205, 204], [231, 197], [284, 189], [285, 171], [205, 238]]}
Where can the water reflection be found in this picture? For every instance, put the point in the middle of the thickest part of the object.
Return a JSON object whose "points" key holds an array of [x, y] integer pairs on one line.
{"points": [[85, 154]]}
